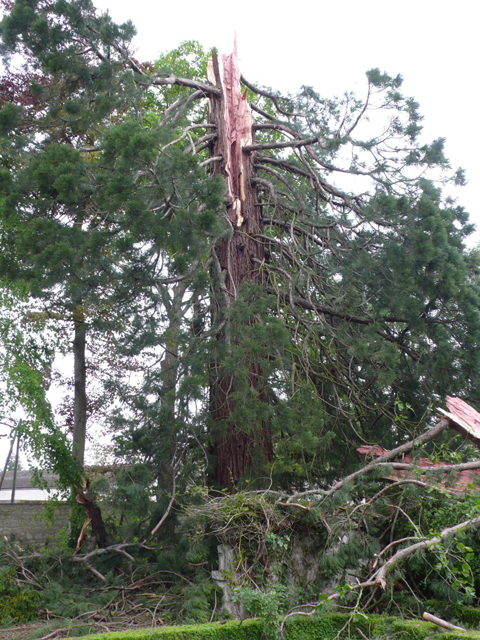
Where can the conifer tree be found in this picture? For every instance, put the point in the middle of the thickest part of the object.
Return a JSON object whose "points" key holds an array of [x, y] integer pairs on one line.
{"points": [[273, 310], [79, 223]]}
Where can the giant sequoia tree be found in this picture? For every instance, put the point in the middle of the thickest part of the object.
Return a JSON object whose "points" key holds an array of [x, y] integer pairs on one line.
{"points": [[280, 274]]}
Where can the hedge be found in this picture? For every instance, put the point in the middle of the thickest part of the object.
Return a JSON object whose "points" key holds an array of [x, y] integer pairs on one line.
{"points": [[250, 629], [322, 627]]}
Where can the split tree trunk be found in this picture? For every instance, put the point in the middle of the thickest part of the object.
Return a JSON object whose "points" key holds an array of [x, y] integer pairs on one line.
{"points": [[231, 115]]}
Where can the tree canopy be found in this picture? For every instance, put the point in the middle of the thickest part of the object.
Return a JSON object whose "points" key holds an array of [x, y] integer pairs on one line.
{"points": [[252, 286]]}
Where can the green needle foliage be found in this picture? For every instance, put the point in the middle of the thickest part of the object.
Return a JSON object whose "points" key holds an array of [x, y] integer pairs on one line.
{"points": [[113, 224], [357, 310]]}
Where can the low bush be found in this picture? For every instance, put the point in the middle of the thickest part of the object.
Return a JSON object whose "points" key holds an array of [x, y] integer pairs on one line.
{"points": [[16, 605]]}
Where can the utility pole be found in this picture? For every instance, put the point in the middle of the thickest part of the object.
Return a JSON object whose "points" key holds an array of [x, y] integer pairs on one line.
{"points": [[9, 455]]}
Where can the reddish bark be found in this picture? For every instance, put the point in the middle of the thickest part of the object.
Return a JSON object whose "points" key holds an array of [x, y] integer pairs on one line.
{"points": [[232, 117]]}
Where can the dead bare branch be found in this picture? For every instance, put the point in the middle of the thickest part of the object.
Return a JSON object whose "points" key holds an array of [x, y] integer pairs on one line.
{"points": [[268, 95], [423, 438], [172, 498], [441, 623], [208, 89], [380, 576], [261, 146]]}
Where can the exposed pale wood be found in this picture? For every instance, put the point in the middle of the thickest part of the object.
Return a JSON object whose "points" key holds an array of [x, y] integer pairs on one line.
{"points": [[207, 89], [441, 623], [385, 458], [380, 576], [52, 634], [82, 534], [170, 504], [463, 418]]}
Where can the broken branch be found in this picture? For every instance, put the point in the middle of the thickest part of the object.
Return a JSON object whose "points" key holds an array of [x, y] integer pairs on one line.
{"points": [[380, 576], [441, 623]]}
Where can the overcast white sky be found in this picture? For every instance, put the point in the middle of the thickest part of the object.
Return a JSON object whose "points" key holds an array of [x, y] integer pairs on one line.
{"points": [[330, 45]]}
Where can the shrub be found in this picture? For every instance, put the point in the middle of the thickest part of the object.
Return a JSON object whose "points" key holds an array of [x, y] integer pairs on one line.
{"points": [[16, 605]]}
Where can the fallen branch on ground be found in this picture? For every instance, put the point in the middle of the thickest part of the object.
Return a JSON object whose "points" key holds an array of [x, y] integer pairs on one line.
{"points": [[441, 623]]}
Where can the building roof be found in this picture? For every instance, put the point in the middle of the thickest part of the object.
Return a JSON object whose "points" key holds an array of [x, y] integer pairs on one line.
{"points": [[461, 417], [24, 480], [463, 479]]}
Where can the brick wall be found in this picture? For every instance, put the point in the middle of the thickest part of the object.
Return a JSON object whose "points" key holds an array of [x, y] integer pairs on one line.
{"points": [[19, 520]]}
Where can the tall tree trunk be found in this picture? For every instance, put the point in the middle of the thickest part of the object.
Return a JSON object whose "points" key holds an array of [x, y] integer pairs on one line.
{"points": [[80, 393], [82, 495], [173, 302], [231, 115]]}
